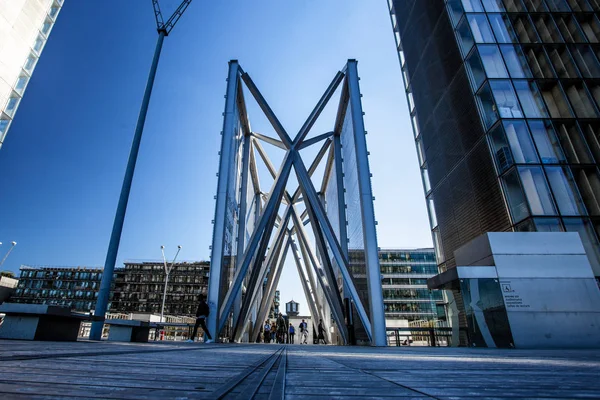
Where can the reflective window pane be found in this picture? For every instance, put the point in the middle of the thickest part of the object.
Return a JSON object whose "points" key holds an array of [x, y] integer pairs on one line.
{"points": [[475, 69], [515, 61], [487, 105], [530, 98], [588, 237], [482, 33], [537, 191], [493, 5], [515, 196], [500, 149], [465, 36], [492, 61], [565, 191], [520, 142], [472, 5], [548, 225], [546, 142], [506, 101], [502, 28]]}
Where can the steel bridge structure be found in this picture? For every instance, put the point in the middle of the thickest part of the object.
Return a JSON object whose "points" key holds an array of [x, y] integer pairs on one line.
{"points": [[326, 223]]}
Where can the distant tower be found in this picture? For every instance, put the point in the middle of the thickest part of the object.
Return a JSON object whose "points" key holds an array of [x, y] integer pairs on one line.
{"points": [[291, 309]]}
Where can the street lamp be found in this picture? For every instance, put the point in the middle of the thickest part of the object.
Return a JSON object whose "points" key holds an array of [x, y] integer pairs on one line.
{"points": [[9, 250], [168, 270]]}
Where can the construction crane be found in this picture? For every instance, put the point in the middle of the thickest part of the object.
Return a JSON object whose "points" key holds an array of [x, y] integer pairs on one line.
{"points": [[161, 26]]}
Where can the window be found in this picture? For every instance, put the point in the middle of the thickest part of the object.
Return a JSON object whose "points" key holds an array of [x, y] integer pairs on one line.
{"points": [[482, 33], [591, 131], [3, 126], [580, 5], [537, 191], [432, 215], [570, 29], [20, 85], [455, 9], [530, 98], [588, 238], [493, 5], [46, 27], [580, 100], [591, 26], [515, 196], [573, 144], [546, 28], [515, 61], [555, 100], [538, 61], [537, 6], [524, 29], [472, 5], [53, 11], [562, 62], [588, 183], [30, 63], [565, 191], [492, 61], [546, 142], [520, 142], [506, 101], [558, 5], [548, 225], [487, 105], [420, 152], [500, 149], [426, 182], [465, 36], [502, 28], [514, 6], [39, 42], [586, 61], [475, 69], [11, 106]]}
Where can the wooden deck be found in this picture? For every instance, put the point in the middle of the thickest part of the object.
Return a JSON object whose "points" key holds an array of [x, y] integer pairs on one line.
{"points": [[90, 370]]}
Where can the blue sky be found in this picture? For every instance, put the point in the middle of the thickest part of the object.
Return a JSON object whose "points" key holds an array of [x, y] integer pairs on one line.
{"points": [[63, 161]]}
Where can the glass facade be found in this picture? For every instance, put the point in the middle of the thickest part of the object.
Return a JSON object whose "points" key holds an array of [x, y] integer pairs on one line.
{"points": [[404, 282], [76, 288], [138, 287], [24, 29], [525, 73]]}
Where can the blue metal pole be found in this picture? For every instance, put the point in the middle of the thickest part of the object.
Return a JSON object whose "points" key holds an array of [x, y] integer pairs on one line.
{"points": [[115, 238]]}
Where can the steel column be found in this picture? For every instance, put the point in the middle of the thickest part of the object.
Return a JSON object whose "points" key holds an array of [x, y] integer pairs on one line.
{"points": [[216, 265], [379, 337], [115, 237]]}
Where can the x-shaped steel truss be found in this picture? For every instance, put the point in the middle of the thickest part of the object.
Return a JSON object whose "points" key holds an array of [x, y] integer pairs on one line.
{"points": [[255, 263]]}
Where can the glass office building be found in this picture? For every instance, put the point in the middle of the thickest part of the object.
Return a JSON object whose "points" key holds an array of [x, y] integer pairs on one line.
{"points": [[404, 282], [24, 29], [504, 97], [73, 287]]}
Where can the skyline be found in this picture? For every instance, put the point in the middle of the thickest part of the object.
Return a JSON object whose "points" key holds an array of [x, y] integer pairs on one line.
{"points": [[64, 175]]}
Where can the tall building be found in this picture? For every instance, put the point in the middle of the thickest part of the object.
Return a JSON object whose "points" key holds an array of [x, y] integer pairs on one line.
{"points": [[406, 297], [139, 287], [24, 29], [74, 287], [504, 99]]}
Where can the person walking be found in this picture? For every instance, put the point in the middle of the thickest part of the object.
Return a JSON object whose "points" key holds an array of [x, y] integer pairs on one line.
{"points": [[201, 315], [303, 332], [292, 332], [281, 329], [267, 329], [321, 330], [273, 332]]}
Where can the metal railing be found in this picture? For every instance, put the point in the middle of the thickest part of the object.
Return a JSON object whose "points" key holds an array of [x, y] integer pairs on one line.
{"points": [[420, 336]]}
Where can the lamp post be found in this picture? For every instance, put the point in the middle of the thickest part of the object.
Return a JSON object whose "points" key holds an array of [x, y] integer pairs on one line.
{"points": [[113, 247], [168, 270], [13, 243]]}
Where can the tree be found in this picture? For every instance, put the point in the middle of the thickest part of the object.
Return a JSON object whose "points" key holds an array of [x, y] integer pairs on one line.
{"points": [[8, 274]]}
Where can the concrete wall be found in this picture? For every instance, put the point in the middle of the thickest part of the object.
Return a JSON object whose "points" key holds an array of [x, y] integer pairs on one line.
{"points": [[550, 294]]}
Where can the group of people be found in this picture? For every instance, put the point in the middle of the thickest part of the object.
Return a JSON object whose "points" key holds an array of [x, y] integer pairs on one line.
{"points": [[278, 331]]}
